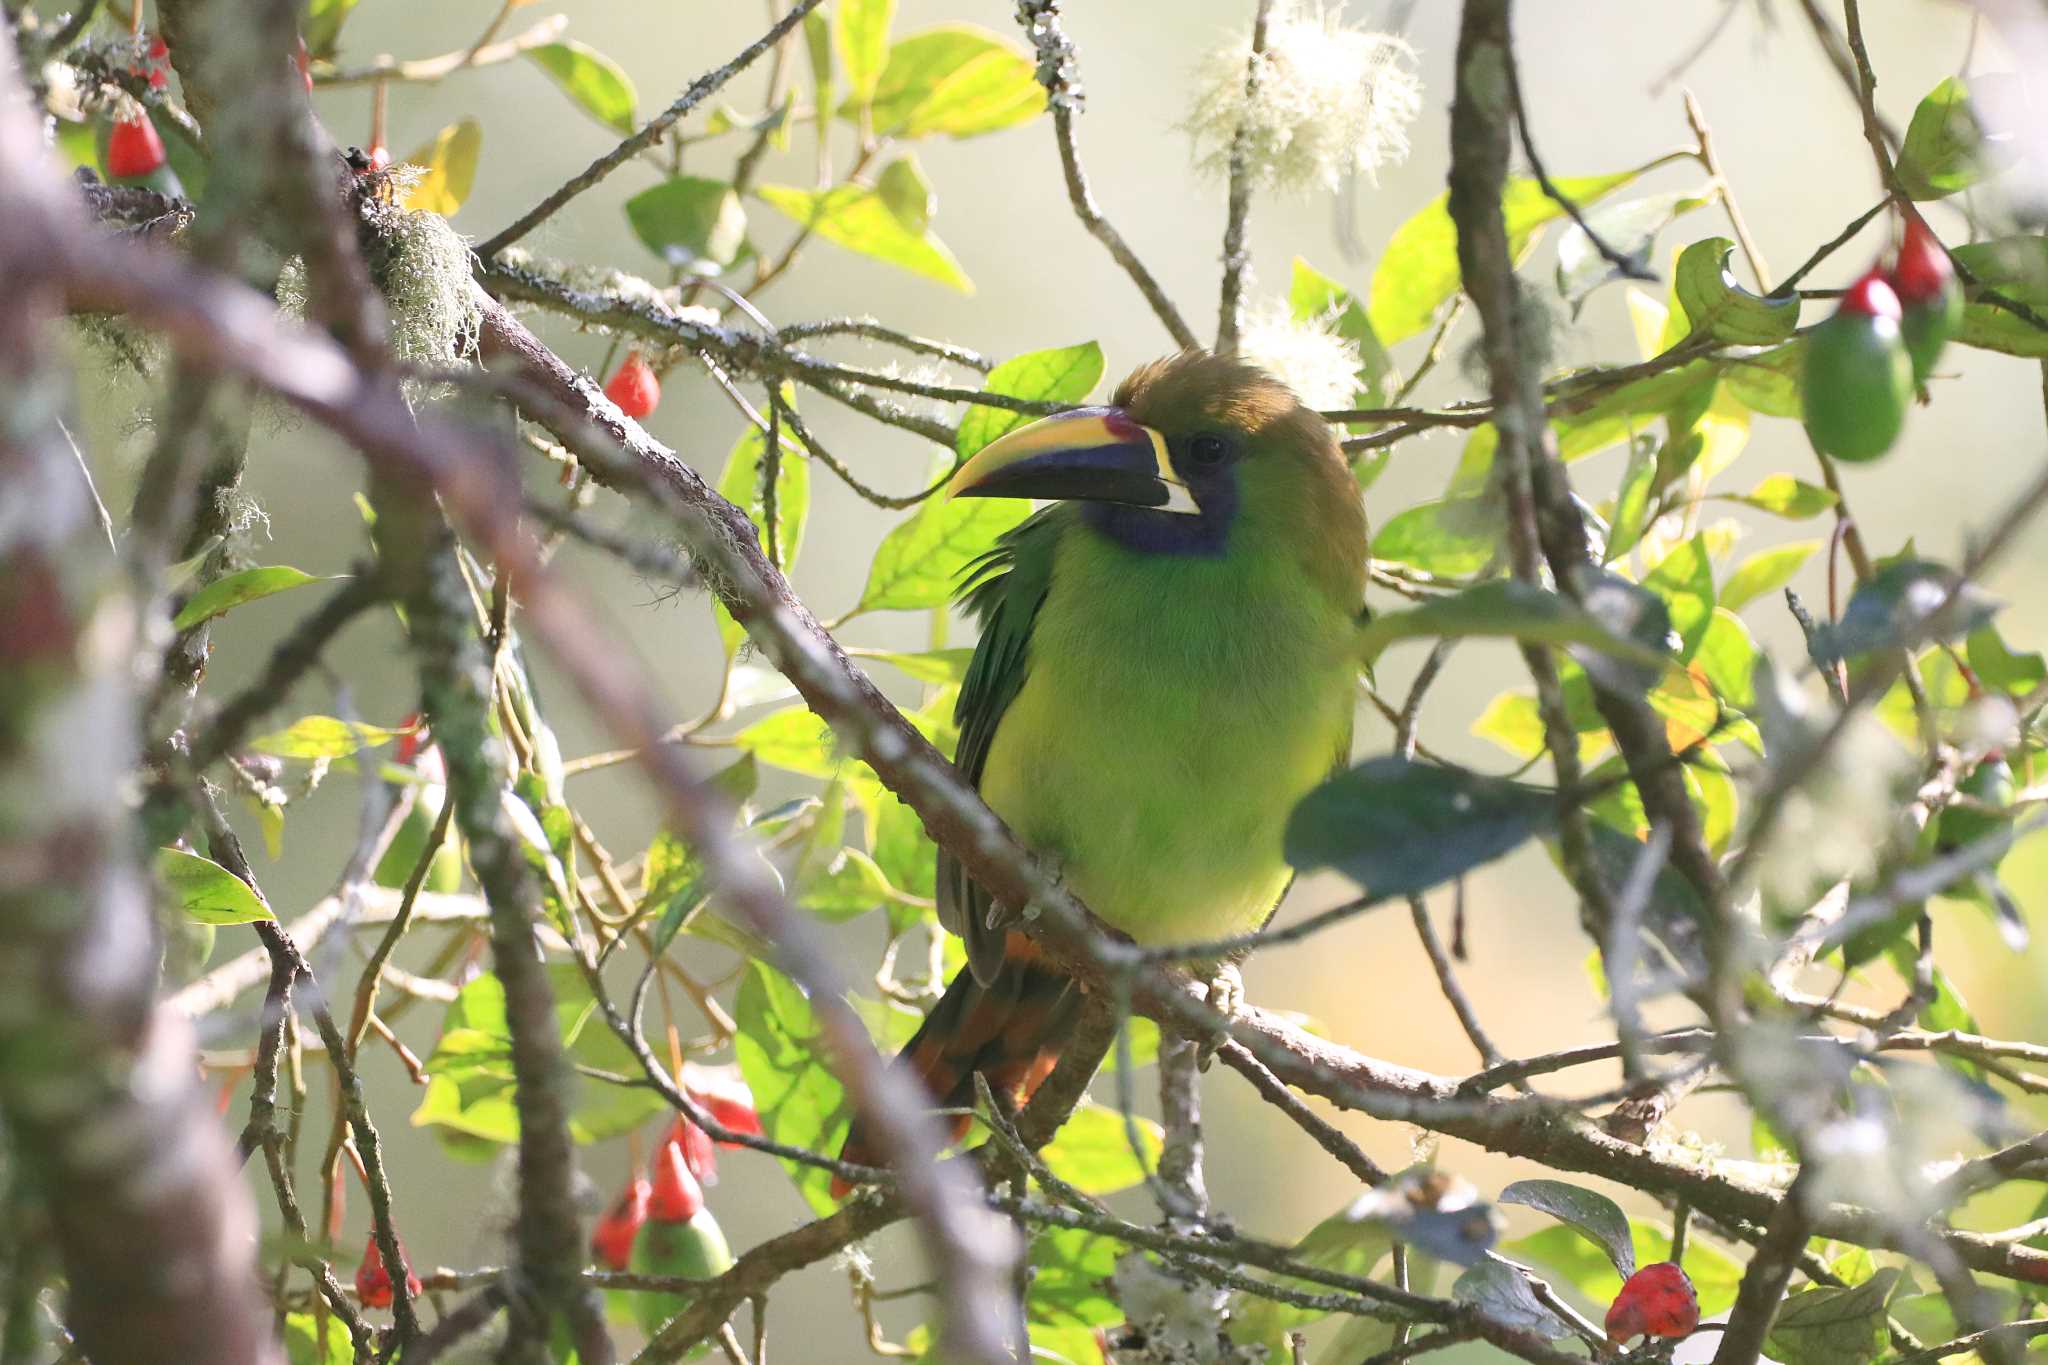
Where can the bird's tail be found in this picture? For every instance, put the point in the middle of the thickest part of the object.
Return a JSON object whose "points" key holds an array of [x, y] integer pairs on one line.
{"points": [[1010, 1030]]}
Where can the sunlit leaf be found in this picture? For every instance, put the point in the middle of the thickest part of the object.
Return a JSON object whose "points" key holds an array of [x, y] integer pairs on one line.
{"points": [[1784, 496], [207, 892], [596, 83], [1313, 296], [236, 588], [1418, 271], [1715, 303], [908, 194], [323, 737], [940, 666], [858, 219], [448, 168], [919, 563], [1685, 580], [1945, 148], [1563, 1255], [1450, 538], [321, 30], [1092, 1150], [957, 80], [1061, 374], [1508, 608], [799, 1099], [860, 33]]}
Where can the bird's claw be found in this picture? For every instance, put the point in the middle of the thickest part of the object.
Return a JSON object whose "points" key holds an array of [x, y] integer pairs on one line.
{"points": [[1226, 997]]}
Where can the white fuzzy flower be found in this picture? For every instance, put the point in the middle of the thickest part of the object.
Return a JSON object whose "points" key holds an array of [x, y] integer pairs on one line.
{"points": [[1309, 357], [1327, 100]]}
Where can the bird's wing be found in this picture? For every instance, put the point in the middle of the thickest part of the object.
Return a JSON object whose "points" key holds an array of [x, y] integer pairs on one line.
{"points": [[1003, 589]]}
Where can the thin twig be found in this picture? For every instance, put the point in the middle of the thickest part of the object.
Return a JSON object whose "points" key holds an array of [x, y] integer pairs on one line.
{"points": [[1237, 256]]}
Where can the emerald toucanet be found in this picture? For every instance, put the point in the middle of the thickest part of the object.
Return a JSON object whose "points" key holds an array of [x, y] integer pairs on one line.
{"points": [[1166, 666]]}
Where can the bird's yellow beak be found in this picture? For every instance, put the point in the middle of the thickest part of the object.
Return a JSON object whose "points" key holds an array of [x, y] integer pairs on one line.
{"points": [[1087, 455]]}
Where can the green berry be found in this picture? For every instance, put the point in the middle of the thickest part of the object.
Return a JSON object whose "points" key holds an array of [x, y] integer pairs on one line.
{"points": [[1858, 378]]}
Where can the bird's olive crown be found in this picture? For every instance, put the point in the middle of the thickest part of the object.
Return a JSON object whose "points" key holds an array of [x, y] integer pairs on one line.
{"points": [[1216, 409]]}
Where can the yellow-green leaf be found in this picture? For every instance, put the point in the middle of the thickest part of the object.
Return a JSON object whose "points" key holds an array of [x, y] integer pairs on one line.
{"points": [[448, 166], [598, 85], [958, 80], [323, 737], [858, 219], [1063, 374], [236, 588], [1765, 571], [1092, 1150], [206, 891], [1715, 303], [860, 32]]}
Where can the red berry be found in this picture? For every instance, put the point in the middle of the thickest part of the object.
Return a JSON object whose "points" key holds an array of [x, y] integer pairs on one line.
{"points": [[720, 1092], [158, 49], [699, 1153], [373, 1282], [134, 149], [1923, 271], [1657, 1301], [411, 741], [634, 388], [1872, 297], [676, 1196], [611, 1241]]}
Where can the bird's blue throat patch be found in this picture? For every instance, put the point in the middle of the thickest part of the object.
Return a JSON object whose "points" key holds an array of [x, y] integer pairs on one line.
{"points": [[1150, 531]]}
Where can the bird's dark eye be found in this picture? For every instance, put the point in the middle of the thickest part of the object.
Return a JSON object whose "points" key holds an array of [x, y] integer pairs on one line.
{"points": [[1208, 450]]}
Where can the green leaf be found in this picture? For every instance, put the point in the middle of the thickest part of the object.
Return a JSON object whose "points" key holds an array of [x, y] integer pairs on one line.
{"points": [[1998, 667], [849, 885], [957, 80], [1720, 307], [918, 564], [1769, 382], [324, 737], [1418, 271], [858, 219], [1450, 538], [1061, 374], [1727, 655], [1684, 578], [1314, 296], [1591, 1212], [1070, 1271], [321, 30], [236, 588], [1784, 496], [1824, 1325], [1508, 608], [1629, 227], [908, 194], [206, 891], [690, 222], [799, 1099], [943, 667], [1631, 501], [448, 165], [1894, 609], [1566, 1256], [1502, 1293], [795, 739], [1092, 1150], [594, 81], [1399, 828], [743, 484], [1341, 1242], [1765, 571], [2016, 267], [1944, 150], [860, 34], [322, 1341]]}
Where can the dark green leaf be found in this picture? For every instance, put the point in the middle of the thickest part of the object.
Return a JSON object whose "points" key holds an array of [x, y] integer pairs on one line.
{"points": [[1998, 667], [1895, 608], [1591, 1212], [1674, 915], [1507, 608], [1418, 271], [594, 81], [1502, 1293], [1717, 305], [1945, 149], [207, 892], [236, 588], [1824, 1325], [690, 222], [858, 219], [1399, 828]]}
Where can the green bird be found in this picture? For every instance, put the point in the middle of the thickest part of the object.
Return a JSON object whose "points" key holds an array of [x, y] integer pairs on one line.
{"points": [[1167, 665]]}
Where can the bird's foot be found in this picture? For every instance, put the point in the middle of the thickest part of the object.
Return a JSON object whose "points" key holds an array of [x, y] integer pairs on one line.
{"points": [[1226, 996]]}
